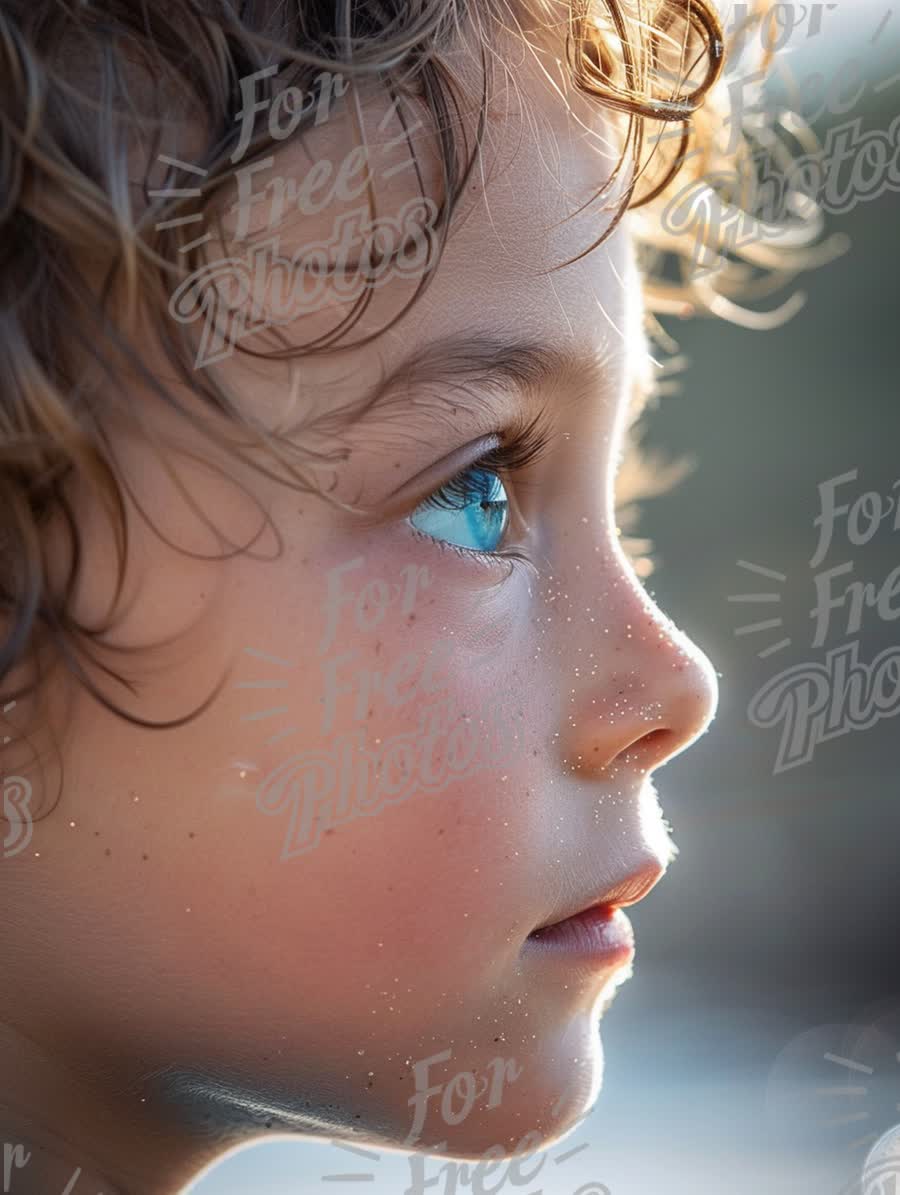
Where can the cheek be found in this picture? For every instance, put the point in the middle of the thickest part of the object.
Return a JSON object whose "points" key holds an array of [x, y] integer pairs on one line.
{"points": [[362, 891], [391, 751], [369, 696], [389, 799]]}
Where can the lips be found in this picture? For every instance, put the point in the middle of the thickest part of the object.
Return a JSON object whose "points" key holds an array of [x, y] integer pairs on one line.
{"points": [[598, 931], [628, 891], [595, 934]]}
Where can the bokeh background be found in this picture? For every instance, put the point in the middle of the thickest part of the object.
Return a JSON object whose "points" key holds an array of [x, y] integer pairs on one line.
{"points": [[755, 1052]]}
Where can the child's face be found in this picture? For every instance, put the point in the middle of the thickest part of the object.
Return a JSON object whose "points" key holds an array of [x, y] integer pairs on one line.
{"points": [[309, 986]]}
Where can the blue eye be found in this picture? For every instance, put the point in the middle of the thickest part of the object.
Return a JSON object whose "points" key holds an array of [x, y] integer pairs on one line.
{"points": [[470, 511]]}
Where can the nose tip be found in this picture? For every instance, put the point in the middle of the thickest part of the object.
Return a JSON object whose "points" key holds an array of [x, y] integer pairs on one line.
{"points": [[657, 699], [619, 729], [648, 693]]}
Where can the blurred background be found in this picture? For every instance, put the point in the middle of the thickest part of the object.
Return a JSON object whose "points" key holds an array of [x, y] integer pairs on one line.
{"points": [[757, 1048]]}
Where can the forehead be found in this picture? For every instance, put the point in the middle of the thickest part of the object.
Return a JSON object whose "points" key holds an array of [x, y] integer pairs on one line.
{"points": [[529, 206]]}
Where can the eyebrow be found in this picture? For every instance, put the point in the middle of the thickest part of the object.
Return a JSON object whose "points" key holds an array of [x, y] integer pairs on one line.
{"points": [[485, 360]]}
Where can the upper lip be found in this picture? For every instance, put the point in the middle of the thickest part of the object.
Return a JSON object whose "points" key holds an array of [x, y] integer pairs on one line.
{"points": [[627, 891]]}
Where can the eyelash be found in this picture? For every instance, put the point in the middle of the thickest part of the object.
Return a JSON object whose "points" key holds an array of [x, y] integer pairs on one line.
{"points": [[525, 444]]}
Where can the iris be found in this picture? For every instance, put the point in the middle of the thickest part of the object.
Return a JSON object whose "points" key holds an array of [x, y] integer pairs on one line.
{"points": [[471, 511]]}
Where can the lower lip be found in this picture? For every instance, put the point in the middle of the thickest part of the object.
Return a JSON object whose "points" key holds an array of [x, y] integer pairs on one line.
{"points": [[599, 936]]}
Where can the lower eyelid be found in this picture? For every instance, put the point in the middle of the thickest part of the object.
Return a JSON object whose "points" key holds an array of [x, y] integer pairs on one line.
{"points": [[444, 544], [491, 559]]}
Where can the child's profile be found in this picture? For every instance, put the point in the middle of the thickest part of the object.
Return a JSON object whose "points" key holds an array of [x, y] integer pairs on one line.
{"points": [[331, 691]]}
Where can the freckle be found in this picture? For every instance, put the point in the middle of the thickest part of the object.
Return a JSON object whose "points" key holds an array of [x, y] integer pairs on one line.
{"points": [[377, 647], [190, 833], [329, 831], [108, 851], [396, 464], [440, 832], [411, 619], [371, 711], [96, 833], [145, 857]]}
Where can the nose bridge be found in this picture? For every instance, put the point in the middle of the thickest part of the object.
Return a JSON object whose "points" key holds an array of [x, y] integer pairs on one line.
{"points": [[639, 691]]}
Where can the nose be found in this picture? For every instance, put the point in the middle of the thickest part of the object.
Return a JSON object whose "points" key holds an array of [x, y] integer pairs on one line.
{"points": [[639, 691]]}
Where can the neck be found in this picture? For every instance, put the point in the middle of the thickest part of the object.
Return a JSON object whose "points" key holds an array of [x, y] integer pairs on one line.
{"points": [[63, 1132]]}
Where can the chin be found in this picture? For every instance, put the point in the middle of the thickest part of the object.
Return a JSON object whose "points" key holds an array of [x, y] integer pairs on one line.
{"points": [[555, 1089]]}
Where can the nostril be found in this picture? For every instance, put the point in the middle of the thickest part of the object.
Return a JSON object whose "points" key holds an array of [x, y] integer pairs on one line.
{"points": [[651, 748], [643, 752], [654, 736]]}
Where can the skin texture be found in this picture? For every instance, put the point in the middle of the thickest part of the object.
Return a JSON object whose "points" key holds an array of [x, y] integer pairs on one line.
{"points": [[173, 985]]}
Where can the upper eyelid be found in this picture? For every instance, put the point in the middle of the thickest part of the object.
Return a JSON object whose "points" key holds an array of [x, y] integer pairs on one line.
{"points": [[523, 446], [518, 443], [480, 465], [441, 477], [499, 460]]}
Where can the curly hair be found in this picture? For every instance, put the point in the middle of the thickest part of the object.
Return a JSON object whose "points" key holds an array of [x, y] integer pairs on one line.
{"points": [[87, 266]]}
